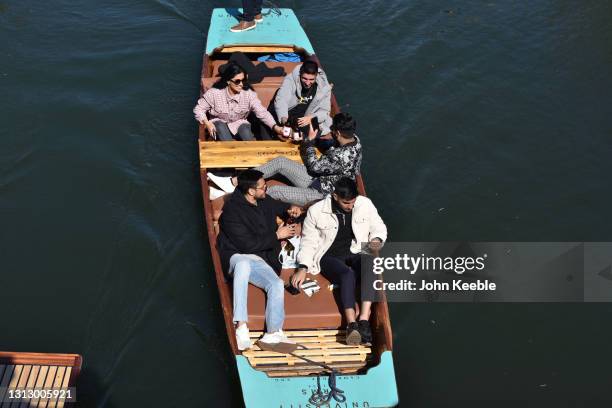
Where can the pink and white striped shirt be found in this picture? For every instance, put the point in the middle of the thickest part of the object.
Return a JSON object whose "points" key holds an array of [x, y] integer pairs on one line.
{"points": [[231, 109]]}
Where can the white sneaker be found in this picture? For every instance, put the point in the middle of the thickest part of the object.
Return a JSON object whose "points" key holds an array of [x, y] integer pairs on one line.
{"points": [[224, 183], [275, 338], [215, 193], [242, 338]]}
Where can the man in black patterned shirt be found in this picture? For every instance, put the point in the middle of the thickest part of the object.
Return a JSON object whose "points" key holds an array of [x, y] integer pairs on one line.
{"points": [[314, 179]]}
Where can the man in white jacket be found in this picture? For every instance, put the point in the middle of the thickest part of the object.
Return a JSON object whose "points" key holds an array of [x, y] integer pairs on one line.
{"points": [[332, 236]]}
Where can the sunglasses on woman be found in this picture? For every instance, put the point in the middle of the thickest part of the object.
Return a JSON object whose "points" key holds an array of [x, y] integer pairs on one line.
{"points": [[237, 81]]}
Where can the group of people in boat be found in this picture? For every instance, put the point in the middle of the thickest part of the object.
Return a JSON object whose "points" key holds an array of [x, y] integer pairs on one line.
{"points": [[335, 220]]}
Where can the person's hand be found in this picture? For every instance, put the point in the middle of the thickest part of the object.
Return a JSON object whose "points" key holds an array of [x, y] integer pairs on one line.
{"points": [[295, 211], [304, 121], [285, 231], [298, 277], [278, 130], [283, 121], [212, 130], [375, 244], [282, 137]]}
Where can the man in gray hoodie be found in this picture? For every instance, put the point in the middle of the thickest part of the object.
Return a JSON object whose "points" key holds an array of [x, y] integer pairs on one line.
{"points": [[305, 98]]}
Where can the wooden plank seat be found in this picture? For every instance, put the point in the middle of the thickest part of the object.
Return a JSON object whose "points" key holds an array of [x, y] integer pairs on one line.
{"points": [[232, 154], [324, 346], [38, 371]]}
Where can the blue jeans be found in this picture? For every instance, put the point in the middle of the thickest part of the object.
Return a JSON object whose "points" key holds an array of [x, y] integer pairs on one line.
{"points": [[224, 134], [245, 269]]}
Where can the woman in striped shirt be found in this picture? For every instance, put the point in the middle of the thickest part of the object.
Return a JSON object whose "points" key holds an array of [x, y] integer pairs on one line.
{"points": [[228, 103]]}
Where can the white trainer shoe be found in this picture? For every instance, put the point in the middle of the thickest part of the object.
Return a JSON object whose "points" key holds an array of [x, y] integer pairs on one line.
{"points": [[242, 338], [224, 183], [275, 338], [215, 193]]}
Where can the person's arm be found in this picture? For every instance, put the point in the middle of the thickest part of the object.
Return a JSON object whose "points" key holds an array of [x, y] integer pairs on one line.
{"points": [[205, 103], [325, 165], [309, 242], [281, 102], [323, 110], [308, 247]]}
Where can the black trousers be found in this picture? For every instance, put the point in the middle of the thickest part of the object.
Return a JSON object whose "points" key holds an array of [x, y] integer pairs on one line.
{"points": [[346, 272], [250, 8]]}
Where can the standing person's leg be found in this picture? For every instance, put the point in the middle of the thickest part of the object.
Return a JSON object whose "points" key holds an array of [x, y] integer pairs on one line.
{"points": [[295, 172], [247, 20], [294, 195], [263, 276], [223, 132], [244, 132], [249, 9], [257, 10]]}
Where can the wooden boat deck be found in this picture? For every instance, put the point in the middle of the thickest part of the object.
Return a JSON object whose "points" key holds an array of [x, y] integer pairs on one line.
{"points": [[321, 346], [40, 371]]}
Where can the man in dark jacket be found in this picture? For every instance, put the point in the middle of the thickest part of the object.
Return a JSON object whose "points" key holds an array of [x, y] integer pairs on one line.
{"points": [[249, 245]]}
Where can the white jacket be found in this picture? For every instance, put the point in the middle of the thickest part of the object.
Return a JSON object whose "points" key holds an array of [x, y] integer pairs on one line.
{"points": [[321, 226]]}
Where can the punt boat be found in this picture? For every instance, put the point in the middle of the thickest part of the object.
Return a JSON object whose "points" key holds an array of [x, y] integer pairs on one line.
{"points": [[269, 379], [38, 379]]}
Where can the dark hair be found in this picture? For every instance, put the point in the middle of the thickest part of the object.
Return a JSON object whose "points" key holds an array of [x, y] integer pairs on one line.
{"points": [[345, 124], [309, 67], [248, 179], [346, 188], [227, 72]]}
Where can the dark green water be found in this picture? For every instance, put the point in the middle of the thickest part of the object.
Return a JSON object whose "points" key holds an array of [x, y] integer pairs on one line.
{"points": [[480, 120]]}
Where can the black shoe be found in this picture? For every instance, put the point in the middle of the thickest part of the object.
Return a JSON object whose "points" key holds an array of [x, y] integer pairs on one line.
{"points": [[365, 332], [353, 338]]}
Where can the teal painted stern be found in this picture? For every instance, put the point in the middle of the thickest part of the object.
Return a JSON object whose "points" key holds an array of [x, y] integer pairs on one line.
{"points": [[276, 29], [376, 388]]}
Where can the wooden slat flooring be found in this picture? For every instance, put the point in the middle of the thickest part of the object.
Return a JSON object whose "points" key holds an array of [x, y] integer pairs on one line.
{"points": [[32, 376], [321, 346]]}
